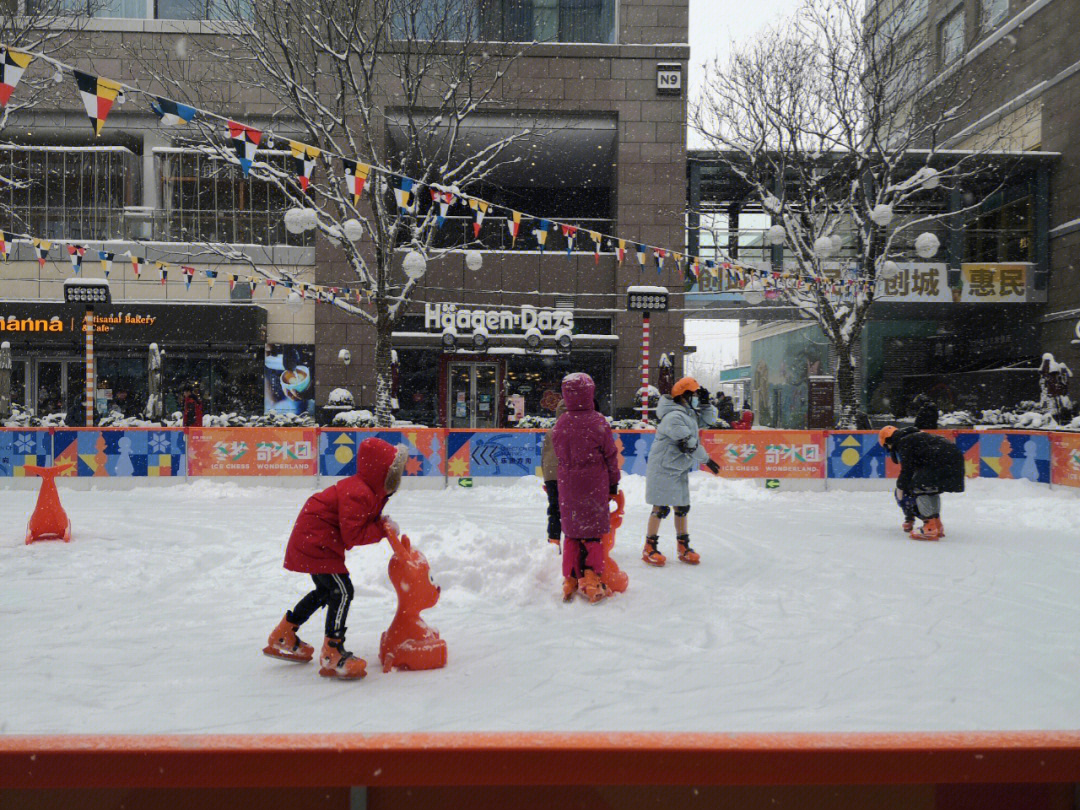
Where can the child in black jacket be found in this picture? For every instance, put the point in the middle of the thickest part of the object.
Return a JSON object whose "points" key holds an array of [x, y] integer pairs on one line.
{"points": [[929, 465]]}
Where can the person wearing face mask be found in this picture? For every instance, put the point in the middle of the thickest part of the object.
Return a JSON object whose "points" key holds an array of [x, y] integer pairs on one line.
{"points": [[676, 451]]}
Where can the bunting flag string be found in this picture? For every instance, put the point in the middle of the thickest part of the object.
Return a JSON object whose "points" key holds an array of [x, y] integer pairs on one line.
{"points": [[76, 253], [15, 62], [304, 158], [163, 270], [41, 248], [98, 96], [106, 262], [137, 263], [444, 199], [541, 233], [5, 246], [597, 238], [640, 255], [569, 232], [245, 141], [188, 274]]}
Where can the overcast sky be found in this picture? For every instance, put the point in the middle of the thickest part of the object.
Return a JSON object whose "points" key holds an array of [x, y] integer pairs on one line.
{"points": [[715, 24]]}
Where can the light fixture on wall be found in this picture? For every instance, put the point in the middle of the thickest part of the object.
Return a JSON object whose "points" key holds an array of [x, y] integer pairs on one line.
{"points": [[449, 339]]}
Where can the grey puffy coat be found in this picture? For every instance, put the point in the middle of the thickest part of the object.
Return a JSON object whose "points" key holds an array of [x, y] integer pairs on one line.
{"points": [[667, 475]]}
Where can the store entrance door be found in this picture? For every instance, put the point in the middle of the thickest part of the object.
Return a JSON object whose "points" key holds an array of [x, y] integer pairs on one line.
{"points": [[472, 395], [53, 383]]}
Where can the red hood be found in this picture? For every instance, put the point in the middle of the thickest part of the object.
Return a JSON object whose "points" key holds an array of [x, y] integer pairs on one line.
{"points": [[373, 460]]}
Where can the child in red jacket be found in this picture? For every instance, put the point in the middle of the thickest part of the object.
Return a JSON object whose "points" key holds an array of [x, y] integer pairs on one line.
{"points": [[345, 515]]}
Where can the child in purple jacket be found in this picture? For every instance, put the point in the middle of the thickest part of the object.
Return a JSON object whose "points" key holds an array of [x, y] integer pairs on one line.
{"points": [[588, 478]]}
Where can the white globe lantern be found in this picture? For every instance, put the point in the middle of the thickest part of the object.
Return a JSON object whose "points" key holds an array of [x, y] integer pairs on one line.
{"points": [[414, 265], [310, 218], [294, 220], [837, 243], [753, 297], [474, 260], [926, 245], [823, 246], [353, 229], [775, 235], [889, 269], [882, 215], [927, 178], [294, 303]]}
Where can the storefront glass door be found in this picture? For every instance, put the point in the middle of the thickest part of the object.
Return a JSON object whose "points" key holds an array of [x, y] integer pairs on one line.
{"points": [[472, 389], [50, 394]]}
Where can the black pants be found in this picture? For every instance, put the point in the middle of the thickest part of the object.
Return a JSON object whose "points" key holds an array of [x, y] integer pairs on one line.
{"points": [[554, 517], [335, 592]]}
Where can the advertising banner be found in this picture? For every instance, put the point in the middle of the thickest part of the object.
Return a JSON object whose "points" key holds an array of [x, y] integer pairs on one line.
{"points": [[931, 282], [426, 447], [1066, 459], [252, 451], [1014, 455], [19, 448], [493, 454], [767, 453], [122, 453], [289, 379]]}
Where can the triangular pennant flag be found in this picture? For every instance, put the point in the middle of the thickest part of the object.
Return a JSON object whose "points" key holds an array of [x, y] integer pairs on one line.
{"points": [[76, 253], [15, 63], [171, 113], [41, 248], [272, 284], [710, 265], [189, 274], [569, 231], [303, 157], [162, 268], [137, 263], [211, 276], [641, 255], [106, 262], [513, 224], [356, 174], [597, 238], [620, 251], [444, 199], [5, 246], [245, 142], [481, 209], [542, 233], [697, 267], [403, 195], [98, 96], [659, 255], [232, 282]]}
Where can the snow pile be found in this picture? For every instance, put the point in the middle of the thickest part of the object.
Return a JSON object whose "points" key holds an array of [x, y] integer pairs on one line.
{"points": [[356, 419], [272, 419], [340, 396]]}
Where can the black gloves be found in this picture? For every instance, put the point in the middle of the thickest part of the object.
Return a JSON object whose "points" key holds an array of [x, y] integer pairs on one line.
{"points": [[684, 446], [714, 468], [613, 489], [703, 396]]}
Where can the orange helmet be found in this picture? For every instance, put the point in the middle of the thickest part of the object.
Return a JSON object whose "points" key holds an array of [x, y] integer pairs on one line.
{"points": [[885, 434], [684, 385]]}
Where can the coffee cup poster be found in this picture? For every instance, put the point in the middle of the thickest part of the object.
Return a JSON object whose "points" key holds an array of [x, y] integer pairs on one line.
{"points": [[289, 378]]}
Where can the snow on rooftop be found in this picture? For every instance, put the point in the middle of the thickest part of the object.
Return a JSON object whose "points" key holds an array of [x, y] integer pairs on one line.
{"points": [[644, 289], [86, 282]]}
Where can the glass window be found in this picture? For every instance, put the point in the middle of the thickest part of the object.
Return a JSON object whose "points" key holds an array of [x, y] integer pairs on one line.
{"points": [[992, 12], [549, 20], [1005, 234], [952, 38], [204, 9]]}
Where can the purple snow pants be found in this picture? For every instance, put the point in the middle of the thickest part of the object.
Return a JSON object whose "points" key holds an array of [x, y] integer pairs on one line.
{"points": [[578, 555]]}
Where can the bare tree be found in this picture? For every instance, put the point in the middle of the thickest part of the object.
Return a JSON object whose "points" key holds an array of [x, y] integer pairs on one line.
{"points": [[44, 27], [389, 84], [836, 124]]}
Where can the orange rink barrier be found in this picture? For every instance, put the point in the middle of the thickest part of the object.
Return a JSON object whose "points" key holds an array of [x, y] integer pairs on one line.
{"points": [[493, 759]]}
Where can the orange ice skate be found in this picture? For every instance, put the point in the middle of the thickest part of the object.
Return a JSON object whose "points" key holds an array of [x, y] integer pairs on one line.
{"points": [[651, 554], [931, 530], [687, 554], [569, 588], [592, 588], [284, 643], [337, 662]]}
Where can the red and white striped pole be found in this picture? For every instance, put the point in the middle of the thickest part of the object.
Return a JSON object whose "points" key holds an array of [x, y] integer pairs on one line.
{"points": [[645, 366], [88, 328]]}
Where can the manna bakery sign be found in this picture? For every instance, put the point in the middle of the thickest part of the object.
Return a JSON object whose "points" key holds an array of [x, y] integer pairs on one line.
{"points": [[439, 317], [71, 323]]}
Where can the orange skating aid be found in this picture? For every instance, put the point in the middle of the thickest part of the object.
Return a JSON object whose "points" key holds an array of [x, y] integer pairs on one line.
{"points": [[409, 643], [49, 520], [615, 578]]}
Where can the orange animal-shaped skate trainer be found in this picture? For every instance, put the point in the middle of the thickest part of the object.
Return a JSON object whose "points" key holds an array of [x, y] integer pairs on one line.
{"points": [[615, 578], [49, 520], [409, 643]]}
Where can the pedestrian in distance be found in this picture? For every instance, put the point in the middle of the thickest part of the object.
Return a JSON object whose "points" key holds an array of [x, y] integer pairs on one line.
{"points": [[926, 412], [676, 451], [588, 478], [341, 517], [929, 466]]}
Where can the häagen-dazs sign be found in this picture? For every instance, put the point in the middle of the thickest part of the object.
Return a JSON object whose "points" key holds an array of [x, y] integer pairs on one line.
{"points": [[450, 316]]}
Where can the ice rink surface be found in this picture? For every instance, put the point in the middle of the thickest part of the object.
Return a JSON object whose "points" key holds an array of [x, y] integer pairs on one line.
{"points": [[810, 612]]}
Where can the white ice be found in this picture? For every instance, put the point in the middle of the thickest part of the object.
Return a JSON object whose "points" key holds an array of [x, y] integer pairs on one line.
{"points": [[809, 612]]}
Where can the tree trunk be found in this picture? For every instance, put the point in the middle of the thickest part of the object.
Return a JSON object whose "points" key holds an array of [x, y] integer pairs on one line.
{"points": [[846, 385], [384, 416]]}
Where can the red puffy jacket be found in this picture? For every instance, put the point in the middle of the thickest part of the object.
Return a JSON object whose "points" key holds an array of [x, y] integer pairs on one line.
{"points": [[342, 516]]}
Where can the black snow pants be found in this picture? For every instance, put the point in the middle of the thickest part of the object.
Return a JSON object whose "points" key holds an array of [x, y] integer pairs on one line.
{"points": [[335, 592]]}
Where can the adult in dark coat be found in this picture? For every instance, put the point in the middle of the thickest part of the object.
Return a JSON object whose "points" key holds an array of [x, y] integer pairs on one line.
{"points": [[929, 465], [192, 408], [76, 414], [926, 412], [725, 408]]}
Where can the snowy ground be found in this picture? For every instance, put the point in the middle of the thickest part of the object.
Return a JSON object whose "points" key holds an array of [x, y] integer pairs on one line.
{"points": [[809, 612]]}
